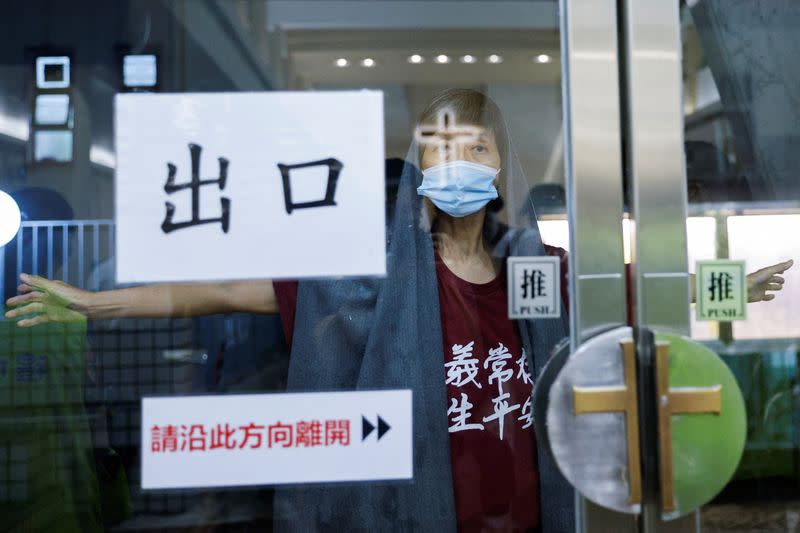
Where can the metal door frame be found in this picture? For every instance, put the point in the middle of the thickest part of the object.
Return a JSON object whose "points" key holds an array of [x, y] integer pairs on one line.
{"points": [[622, 102]]}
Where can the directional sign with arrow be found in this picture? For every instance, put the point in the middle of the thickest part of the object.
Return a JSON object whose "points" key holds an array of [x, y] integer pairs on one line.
{"points": [[309, 437], [368, 427]]}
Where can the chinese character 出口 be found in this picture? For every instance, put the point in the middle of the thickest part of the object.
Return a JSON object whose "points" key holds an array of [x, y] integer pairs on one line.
{"points": [[170, 187]]}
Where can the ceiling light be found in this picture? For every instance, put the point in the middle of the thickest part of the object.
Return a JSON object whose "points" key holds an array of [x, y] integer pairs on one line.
{"points": [[442, 59], [542, 58], [416, 59], [342, 62], [468, 59], [52, 72], [368, 62], [495, 59]]}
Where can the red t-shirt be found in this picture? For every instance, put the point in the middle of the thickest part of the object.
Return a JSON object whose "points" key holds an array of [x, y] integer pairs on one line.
{"points": [[495, 480], [492, 446]]}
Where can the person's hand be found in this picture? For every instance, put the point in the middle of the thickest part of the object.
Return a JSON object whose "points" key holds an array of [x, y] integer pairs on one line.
{"points": [[761, 284], [41, 301]]}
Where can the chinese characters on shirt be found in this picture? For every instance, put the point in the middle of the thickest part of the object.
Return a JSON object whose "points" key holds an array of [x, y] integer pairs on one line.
{"points": [[462, 372]]}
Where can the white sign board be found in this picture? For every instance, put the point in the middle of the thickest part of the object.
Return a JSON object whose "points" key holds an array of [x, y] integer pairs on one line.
{"points": [[272, 439], [249, 185], [721, 290], [534, 287]]}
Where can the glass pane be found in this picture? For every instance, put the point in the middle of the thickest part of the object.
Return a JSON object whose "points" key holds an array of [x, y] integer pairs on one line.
{"points": [[742, 132], [471, 103]]}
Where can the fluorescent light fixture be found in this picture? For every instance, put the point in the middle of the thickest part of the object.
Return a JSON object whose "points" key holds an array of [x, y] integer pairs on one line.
{"points": [[10, 218], [416, 59], [102, 156], [542, 58], [442, 59], [51, 109], [139, 70], [495, 59], [468, 58], [368, 62], [53, 146], [14, 127], [52, 72], [341, 62]]}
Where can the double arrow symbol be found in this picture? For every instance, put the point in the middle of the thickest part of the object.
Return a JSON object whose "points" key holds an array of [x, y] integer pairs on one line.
{"points": [[368, 427]]}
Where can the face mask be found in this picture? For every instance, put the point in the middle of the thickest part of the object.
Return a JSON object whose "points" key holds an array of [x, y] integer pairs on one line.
{"points": [[459, 188]]}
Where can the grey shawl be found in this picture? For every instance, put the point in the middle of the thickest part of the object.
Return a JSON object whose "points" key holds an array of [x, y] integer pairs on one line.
{"points": [[372, 334]]}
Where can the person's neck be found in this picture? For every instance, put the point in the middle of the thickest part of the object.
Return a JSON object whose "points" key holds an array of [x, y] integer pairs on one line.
{"points": [[461, 238], [460, 244]]}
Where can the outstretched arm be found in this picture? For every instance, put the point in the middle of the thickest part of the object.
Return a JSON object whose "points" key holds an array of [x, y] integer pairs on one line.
{"points": [[42, 300], [761, 284]]}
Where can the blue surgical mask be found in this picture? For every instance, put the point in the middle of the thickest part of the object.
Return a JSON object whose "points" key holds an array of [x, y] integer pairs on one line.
{"points": [[459, 188]]}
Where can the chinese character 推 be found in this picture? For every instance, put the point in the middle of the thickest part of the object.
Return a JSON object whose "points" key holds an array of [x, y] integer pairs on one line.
{"points": [[721, 287], [533, 283]]}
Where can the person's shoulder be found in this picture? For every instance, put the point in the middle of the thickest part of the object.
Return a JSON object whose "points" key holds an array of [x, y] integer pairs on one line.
{"points": [[555, 251]]}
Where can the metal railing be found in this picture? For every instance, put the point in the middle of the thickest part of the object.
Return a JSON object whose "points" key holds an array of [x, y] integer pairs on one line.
{"points": [[128, 356], [69, 250]]}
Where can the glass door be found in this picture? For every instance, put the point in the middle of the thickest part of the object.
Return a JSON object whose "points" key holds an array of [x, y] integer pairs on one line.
{"points": [[678, 392], [741, 131], [183, 102]]}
